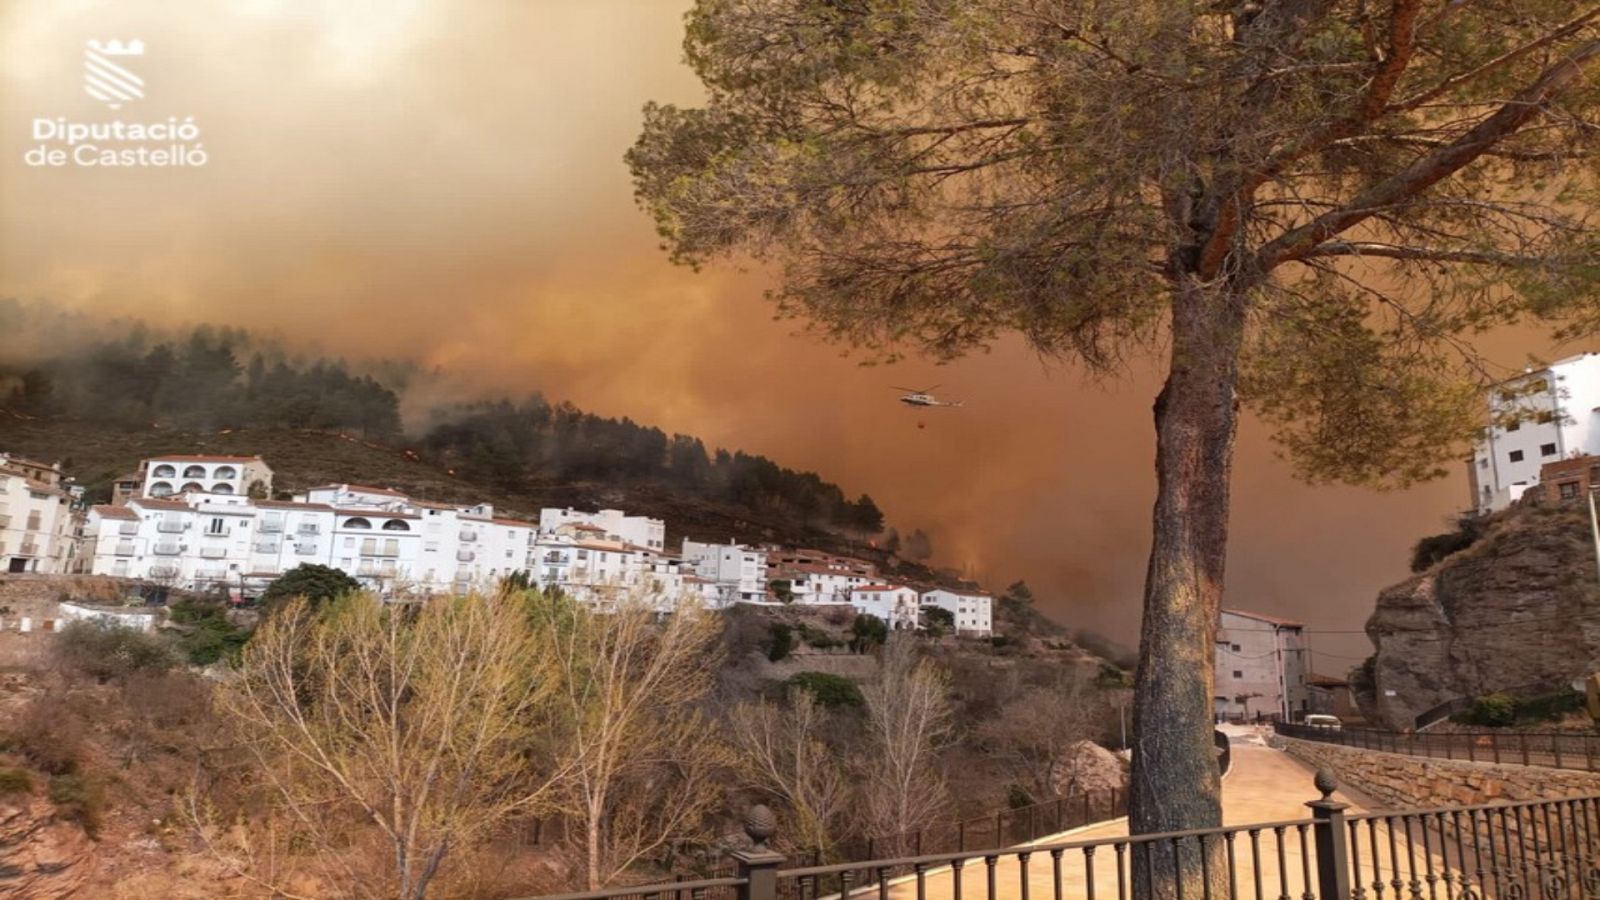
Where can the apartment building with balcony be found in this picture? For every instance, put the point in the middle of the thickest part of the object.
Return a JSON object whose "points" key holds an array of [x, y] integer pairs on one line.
{"points": [[168, 476], [39, 520], [897, 605], [737, 573], [611, 525], [1261, 667], [1539, 417]]}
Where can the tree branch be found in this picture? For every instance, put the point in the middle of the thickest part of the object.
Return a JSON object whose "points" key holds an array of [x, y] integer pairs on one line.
{"points": [[1432, 254], [1434, 167]]}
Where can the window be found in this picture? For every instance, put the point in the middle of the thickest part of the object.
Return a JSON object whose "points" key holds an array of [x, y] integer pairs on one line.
{"points": [[1483, 463], [194, 472], [161, 489], [164, 471], [1238, 674], [1545, 417], [1234, 647], [1515, 456], [396, 525], [217, 526], [357, 522], [226, 472], [1547, 449], [1569, 490], [1514, 426]]}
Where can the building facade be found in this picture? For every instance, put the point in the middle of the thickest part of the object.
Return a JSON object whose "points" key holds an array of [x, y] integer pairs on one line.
{"points": [[973, 612], [738, 572], [898, 606], [612, 524], [1539, 417], [1261, 668], [167, 476], [39, 520]]}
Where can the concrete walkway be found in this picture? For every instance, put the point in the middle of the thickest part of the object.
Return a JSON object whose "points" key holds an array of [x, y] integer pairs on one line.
{"points": [[1265, 785]]}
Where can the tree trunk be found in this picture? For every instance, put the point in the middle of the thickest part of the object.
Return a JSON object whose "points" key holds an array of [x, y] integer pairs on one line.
{"points": [[1175, 784]]}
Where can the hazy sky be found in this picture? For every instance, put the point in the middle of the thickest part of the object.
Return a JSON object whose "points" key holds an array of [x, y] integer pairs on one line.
{"points": [[445, 181]]}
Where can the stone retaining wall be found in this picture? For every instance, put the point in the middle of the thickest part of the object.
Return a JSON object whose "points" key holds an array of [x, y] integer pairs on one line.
{"points": [[1399, 781]]}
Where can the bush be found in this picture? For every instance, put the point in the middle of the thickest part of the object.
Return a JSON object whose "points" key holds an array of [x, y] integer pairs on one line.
{"points": [[49, 734], [1490, 711], [828, 689], [1550, 707], [1431, 549], [80, 799], [780, 641], [867, 632], [108, 652], [938, 621], [205, 633], [318, 584], [15, 781], [1018, 797]]}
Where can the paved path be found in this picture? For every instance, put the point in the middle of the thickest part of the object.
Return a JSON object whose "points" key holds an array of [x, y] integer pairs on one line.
{"points": [[1265, 785]]}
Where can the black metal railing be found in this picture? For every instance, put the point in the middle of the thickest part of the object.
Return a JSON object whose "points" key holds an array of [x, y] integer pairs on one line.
{"points": [[1505, 851], [1552, 749]]}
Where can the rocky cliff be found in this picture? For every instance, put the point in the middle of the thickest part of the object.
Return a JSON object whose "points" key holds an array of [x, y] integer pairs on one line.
{"points": [[1519, 607]]}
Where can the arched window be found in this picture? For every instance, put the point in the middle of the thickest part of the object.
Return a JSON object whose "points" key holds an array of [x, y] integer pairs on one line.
{"points": [[194, 472], [161, 489], [193, 486], [396, 525], [226, 472], [357, 522], [164, 471], [222, 487]]}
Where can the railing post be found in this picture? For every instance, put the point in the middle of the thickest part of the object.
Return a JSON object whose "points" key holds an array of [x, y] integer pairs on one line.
{"points": [[1333, 852], [758, 866], [1523, 737]]}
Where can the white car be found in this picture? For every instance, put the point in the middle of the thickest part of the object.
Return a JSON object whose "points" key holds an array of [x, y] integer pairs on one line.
{"points": [[1319, 720]]}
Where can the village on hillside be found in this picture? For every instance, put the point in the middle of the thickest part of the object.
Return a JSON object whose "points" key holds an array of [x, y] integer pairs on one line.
{"points": [[204, 523]]}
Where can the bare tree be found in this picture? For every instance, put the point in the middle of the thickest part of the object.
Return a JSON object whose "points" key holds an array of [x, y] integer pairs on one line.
{"points": [[1310, 206], [642, 758], [780, 751], [908, 721], [411, 722], [1038, 727]]}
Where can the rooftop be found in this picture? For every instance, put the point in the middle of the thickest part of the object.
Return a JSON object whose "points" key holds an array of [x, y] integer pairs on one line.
{"points": [[1260, 617]]}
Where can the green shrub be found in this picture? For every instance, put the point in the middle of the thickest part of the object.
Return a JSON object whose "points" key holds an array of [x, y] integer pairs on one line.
{"points": [[1549, 707], [1490, 711], [317, 584], [828, 689], [780, 641], [15, 781], [204, 633], [1431, 549], [937, 621], [1018, 797], [80, 799], [106, 652], [867, 632], [1000, 640]]}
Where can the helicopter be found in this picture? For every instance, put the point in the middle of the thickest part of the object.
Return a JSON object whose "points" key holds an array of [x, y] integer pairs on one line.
{"points": [[924, 397]]}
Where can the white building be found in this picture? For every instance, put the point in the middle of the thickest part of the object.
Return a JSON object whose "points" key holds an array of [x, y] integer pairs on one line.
{"points": [[39, 525], [972, 612], [1538, 417], [168, 475], [613, 525], [895, 604], [1260, 667], [738, 573]]}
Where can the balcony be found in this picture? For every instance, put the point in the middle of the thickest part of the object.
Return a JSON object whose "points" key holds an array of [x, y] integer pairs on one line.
{"points": [[468, 535], [309, 529], [124, 528], [466, 555], [163, 571], [267, 547], [167, 549], [213, 552], [226, 532], [124, 548], [271, 527], [171, 527], [305, 549], [555, 559]]}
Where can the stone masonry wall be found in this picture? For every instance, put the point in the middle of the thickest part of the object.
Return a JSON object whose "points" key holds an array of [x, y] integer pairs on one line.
{"points": [[1398, 781]]}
